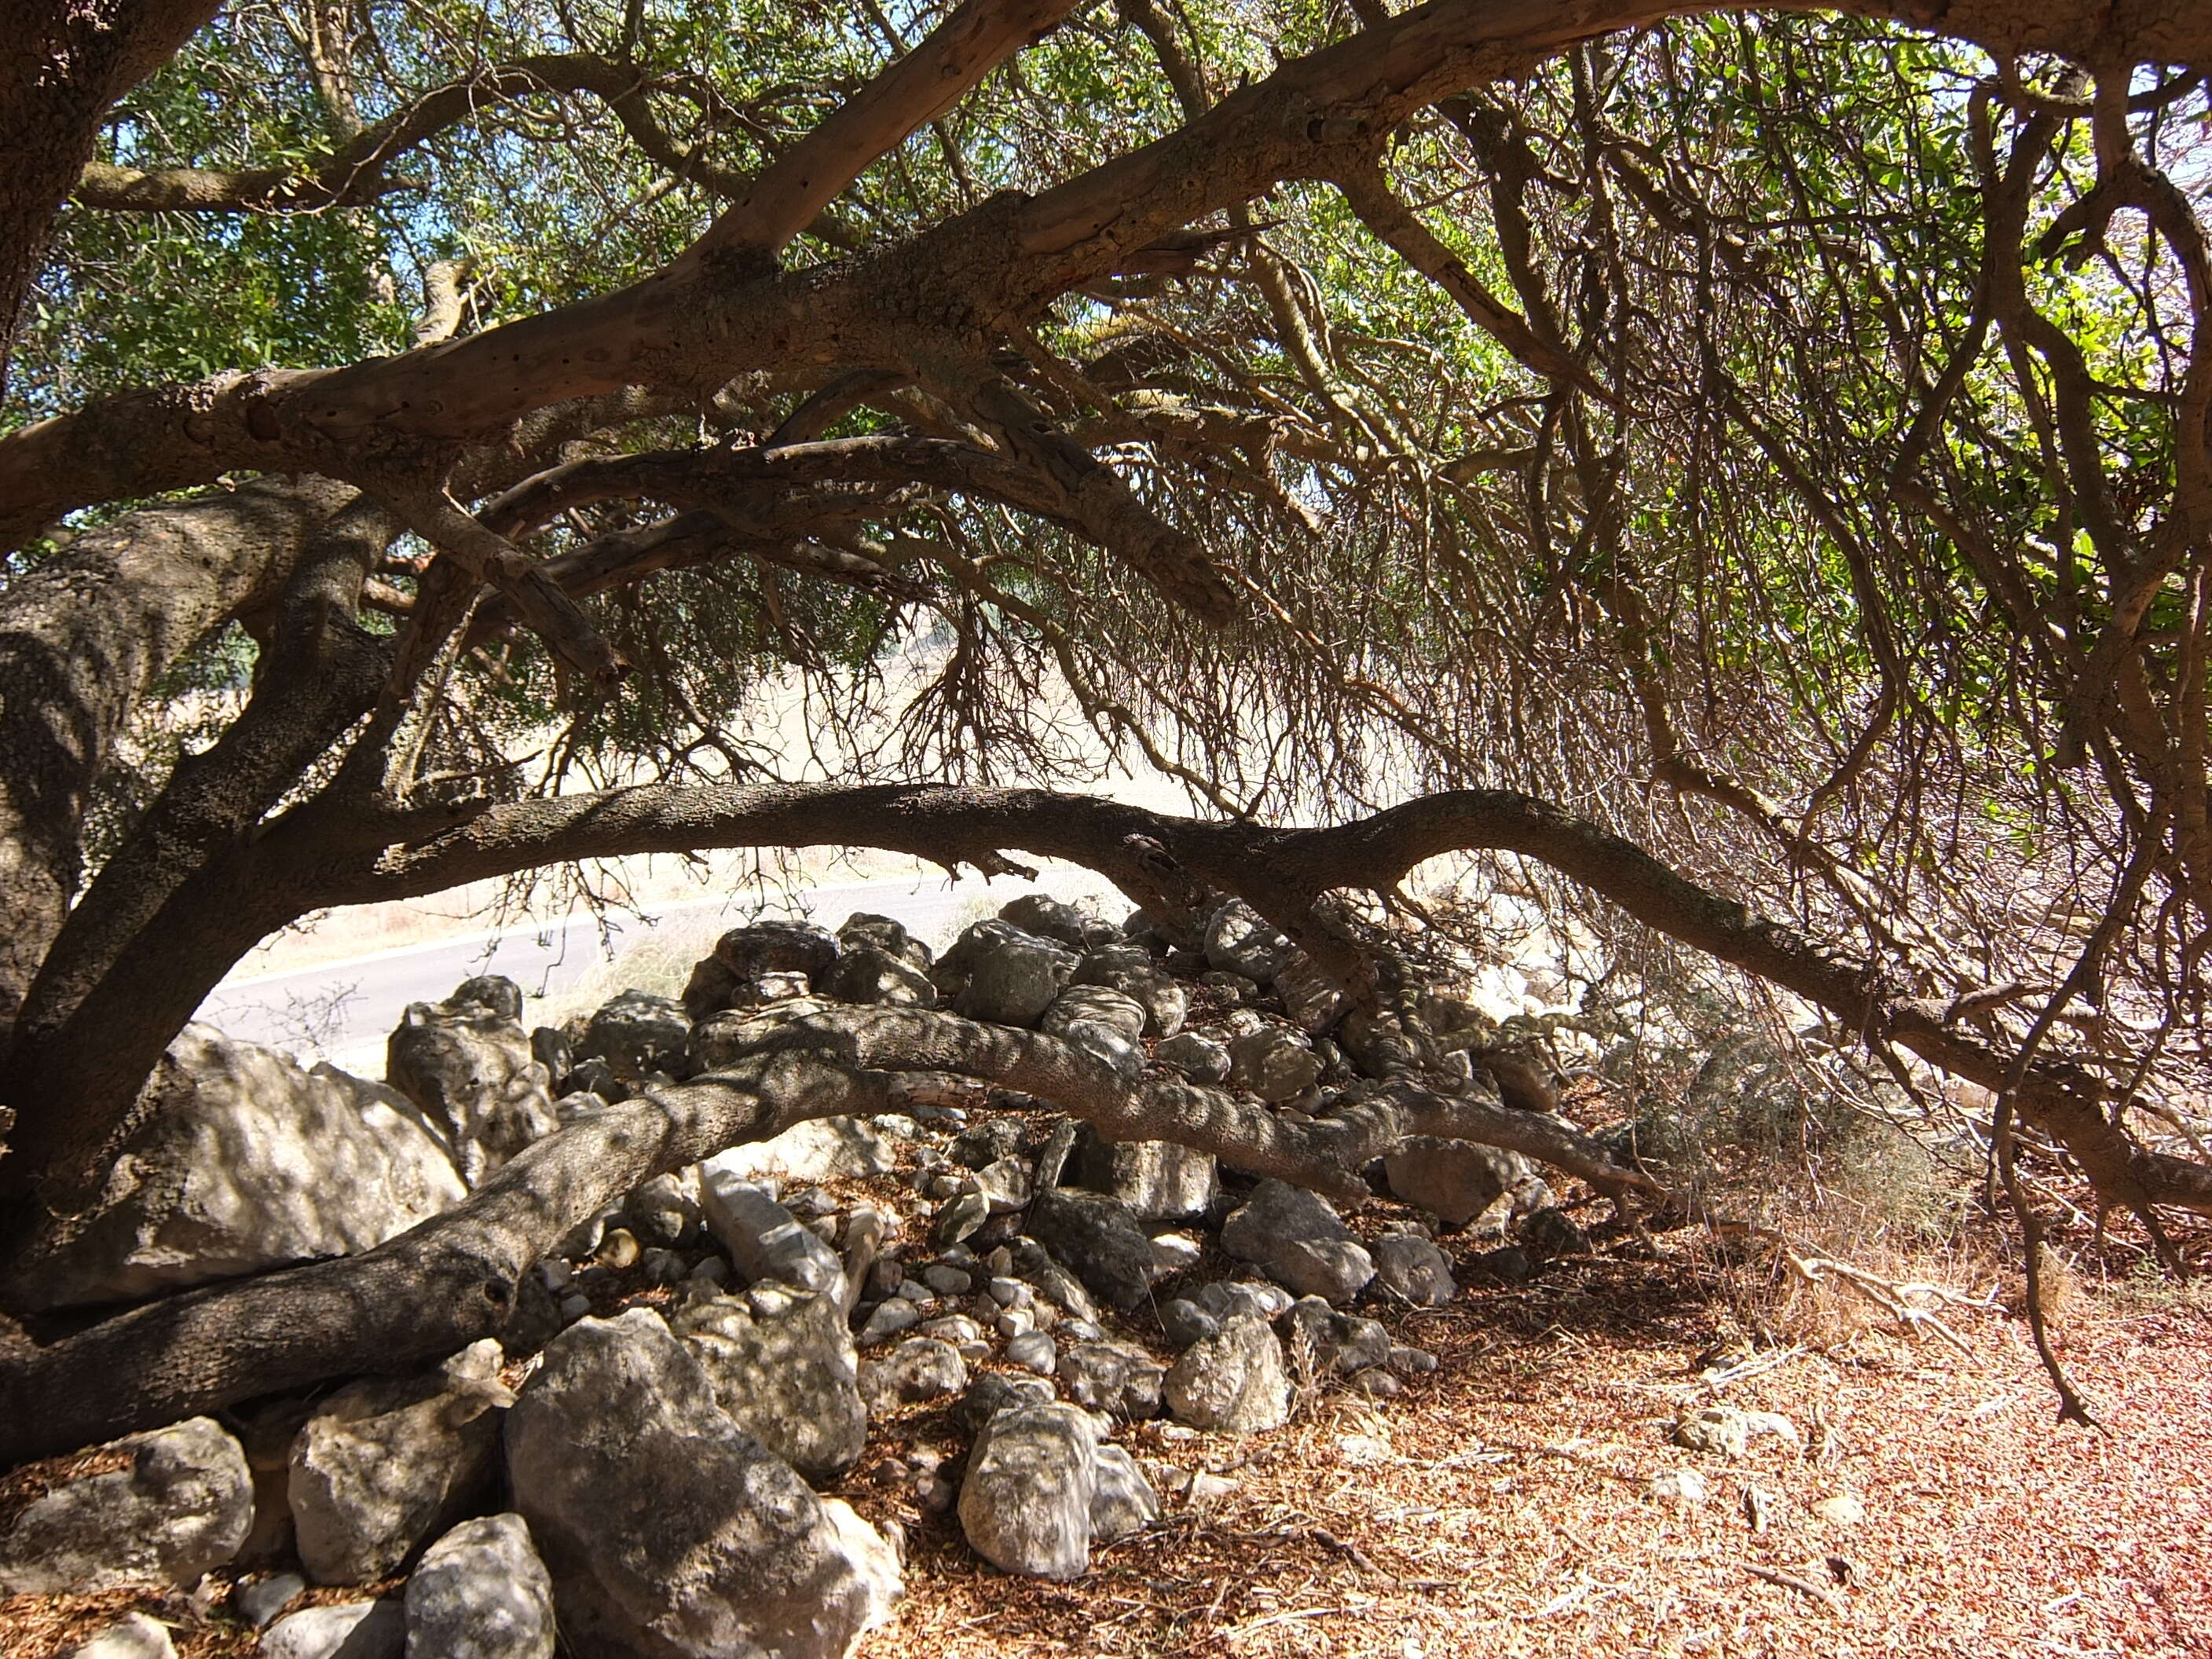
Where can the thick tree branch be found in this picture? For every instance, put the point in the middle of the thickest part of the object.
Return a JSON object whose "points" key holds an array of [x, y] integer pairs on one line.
{"points": [[689, 328], [457, 1277]]}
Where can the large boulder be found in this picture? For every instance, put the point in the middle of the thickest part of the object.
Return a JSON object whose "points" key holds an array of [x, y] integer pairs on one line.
{"points": [[639, 1034], [786, 1372], [866, 973], [386, 1464], [1099, 1240], [750, 964], [1136, 974], [1013, 982], [1294, 1237], [468, 1064], [1234, 1380], [1239, 940], [1454, 1181], [671, 1532], [164, 1507], [1158, 1180], [1041, 1490], [481, 1593], [1102, 1021], [243, 1162]]}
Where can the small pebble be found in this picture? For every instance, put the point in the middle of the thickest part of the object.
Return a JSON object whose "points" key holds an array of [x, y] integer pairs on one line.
{"points": [[933, 1494], [1683, 1486], [914, 1290], [573, 1308], [1016, 1321], [714, 1270], [1082, 1330], [945, 1280], [888, 1320], [1377, 1381], [555, 1275], [1009, 1292], [1410, 1362]]}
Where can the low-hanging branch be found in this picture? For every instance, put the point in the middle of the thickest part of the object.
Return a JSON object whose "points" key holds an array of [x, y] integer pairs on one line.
{"points": [[458, 1276], [1170, 863]]}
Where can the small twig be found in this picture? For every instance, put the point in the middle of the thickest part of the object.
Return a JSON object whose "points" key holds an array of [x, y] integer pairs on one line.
{"points": [[1821, 1592]]}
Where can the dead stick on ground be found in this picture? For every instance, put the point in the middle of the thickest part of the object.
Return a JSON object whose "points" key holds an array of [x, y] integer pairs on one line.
{"points": [[1821, 1592]]}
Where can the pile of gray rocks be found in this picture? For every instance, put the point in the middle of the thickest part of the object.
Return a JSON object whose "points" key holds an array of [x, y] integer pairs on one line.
{"points": [[644, 1464]]}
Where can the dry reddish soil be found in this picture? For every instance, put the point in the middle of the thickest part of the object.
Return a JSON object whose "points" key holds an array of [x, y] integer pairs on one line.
{"points": [[1502, 1505]]}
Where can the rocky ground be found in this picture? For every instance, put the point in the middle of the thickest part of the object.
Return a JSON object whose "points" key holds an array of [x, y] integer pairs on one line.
{"points": [[981, 1384]]}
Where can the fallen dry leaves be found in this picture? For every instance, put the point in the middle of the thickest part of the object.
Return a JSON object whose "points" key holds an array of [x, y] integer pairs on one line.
{"points": [[1502, 1505]]}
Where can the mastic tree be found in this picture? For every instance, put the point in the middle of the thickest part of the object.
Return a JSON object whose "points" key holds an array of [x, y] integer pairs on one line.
{"points": [[1750, 463]]}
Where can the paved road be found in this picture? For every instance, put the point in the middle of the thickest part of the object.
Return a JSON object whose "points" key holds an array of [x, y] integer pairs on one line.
{"points": [[344, 1011]]}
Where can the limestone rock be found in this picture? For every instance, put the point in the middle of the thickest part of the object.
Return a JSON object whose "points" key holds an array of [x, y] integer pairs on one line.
{"points": [[1013, 982], [384, 1464], [791, 1379], [1729, 1430], [1112, 1378], [667, 1529], [1121, 1498], [765, 1240], [1134, 972], [1454, 1181], [1104, 1022], [638, 1033], [920, 1368], [1238, 940], [244, 1162], [344, 1629], [1031, 1502], [468, 1065], [1057, 920], [745, 960], [134, 1636], [1233, 1380], [1410, 1267], [865, 973], [1099, 1239], [1336, 1343], [1273, 1064], [1294, 1237], [863, 927], [1158, 1180], [179, 1506], [1198, 1057], [481, 1593]]}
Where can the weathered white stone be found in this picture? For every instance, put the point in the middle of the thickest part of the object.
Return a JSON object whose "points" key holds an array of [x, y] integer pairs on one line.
{"points": [[180, 1505], [1234, 1380], [1026, 1503], [481, 1593], [348, 1630], [667, 1529], [384, 1464], [790, 1380], [244, 1162]]}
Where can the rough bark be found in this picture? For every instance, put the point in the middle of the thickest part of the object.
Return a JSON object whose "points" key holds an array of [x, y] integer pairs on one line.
{"points": [[457, 1278], [81, 637]]}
